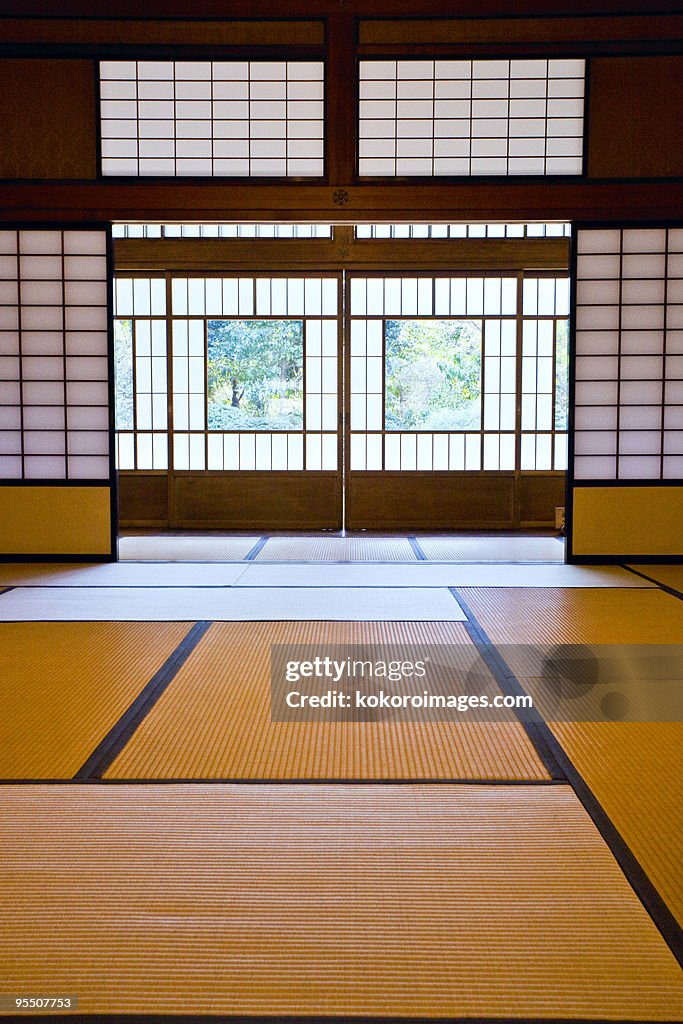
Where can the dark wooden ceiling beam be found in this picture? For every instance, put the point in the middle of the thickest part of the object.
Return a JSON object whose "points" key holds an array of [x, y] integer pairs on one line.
{"points": [[228, 9], [360, 203]]}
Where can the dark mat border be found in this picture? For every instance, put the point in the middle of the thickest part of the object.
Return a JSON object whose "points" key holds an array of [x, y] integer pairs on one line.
{"points": [[113, 743]]}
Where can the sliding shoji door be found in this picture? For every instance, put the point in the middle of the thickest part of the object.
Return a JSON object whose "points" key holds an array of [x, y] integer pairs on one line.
{"points": [[228, 393], [626, 450], [456, 389], [56, 454]]}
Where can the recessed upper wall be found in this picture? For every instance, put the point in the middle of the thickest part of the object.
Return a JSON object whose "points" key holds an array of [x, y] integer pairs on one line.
{"points": [[635, 117], [48, 117], [431, 116]]}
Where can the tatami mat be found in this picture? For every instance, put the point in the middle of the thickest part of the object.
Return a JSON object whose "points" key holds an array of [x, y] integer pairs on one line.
{"points": [[428, 574], [669, 575], [180, 548], [336, 549], [63, 686], [227, 604], [214, 720], [634, 769], [478, 548], [606, 616], [631, 767], [410, 901], [290, 574], [127, 574]]}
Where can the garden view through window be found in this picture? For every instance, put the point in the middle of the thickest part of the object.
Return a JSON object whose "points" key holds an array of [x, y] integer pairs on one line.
{"points": [[441, 373], [255, 374], [433, 374], [561, 374], [123, 374]]}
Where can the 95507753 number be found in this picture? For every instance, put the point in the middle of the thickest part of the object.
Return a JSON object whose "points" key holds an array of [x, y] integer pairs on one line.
{"points": [[37, 1003]]}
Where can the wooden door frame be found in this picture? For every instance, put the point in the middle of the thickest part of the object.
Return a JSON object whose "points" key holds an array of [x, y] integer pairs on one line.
{"points": [[518, 498]]}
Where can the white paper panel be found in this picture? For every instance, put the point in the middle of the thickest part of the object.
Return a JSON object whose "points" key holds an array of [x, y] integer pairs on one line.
{"points": [[220, 118], [54, 337], [626, 345], [445, 117]]}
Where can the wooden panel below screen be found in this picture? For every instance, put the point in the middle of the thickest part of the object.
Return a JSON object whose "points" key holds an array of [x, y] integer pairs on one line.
{"points": [[308, 501], [143, 499], [386, 501], [539, 495], [257, 501]]}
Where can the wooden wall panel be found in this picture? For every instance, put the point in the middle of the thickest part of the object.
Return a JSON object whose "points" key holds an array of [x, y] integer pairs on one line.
{"points": [[635, 117], [48, 117], [474, 31], [174, 33], [60, 521], [626, 523], [426, 501], [257, 501], [143, 499], [539, 495]]}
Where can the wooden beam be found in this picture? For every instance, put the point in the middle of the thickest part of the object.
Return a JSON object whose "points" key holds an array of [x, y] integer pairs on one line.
{"points": [[293, 202], [341, 107], [237, 9], [228, 254]]}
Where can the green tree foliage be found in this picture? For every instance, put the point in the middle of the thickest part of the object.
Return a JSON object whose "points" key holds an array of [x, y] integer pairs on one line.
{"points": [[255, 374], [433, 374], [123, 374], [561, 374]]}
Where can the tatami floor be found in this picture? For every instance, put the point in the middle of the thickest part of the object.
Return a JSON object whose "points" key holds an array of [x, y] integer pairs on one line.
{"points": [[169, 848]]}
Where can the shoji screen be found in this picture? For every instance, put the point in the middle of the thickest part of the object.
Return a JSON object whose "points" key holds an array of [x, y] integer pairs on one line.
{"points": [[471, 117], [55, 435], [141, 373], [627, 444], [479, 313], [204, 437], [212, 118]]}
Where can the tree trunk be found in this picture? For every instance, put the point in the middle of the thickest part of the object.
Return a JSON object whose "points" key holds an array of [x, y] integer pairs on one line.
{"points": [[236, 398]]}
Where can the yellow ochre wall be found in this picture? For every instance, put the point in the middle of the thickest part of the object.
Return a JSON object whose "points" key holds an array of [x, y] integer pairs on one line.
{"points": [[625, 521], [55, 520]]}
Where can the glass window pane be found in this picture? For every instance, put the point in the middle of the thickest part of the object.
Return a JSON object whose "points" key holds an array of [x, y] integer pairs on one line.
{"points": [[561, 374], [255, 374], [433, 374], [123, 373]]}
